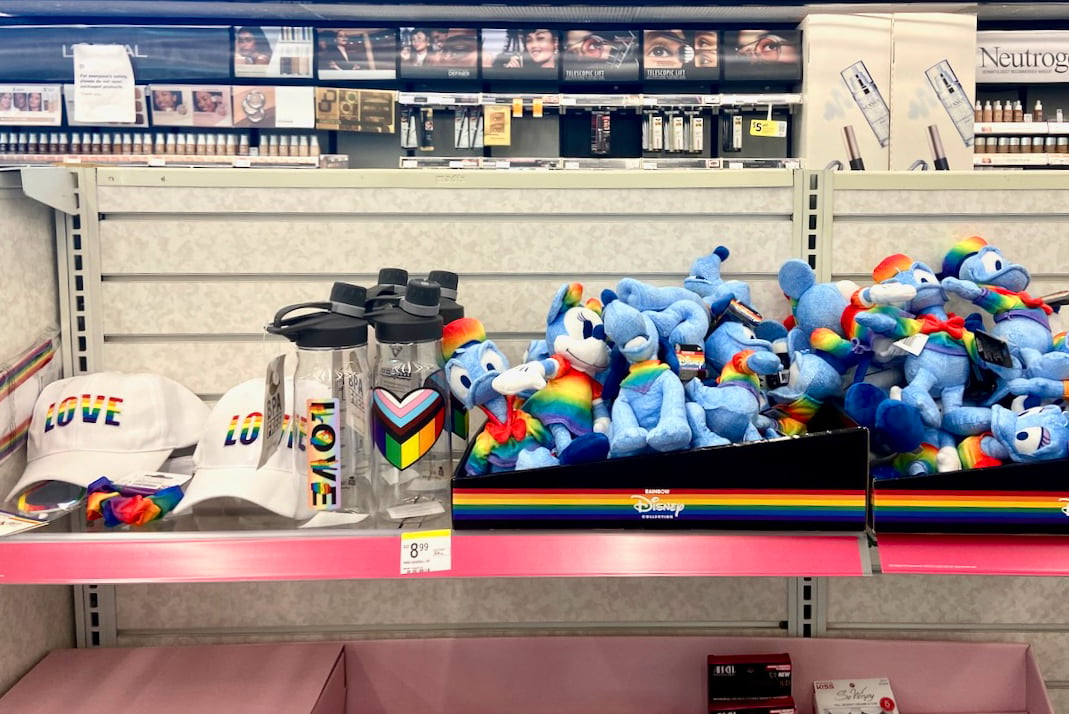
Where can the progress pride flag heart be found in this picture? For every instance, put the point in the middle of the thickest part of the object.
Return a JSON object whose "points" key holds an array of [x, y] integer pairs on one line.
{"points": [[405, 429]]}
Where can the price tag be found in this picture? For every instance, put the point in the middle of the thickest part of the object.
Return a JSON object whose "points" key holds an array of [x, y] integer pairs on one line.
{"points": [[914, 344], [768, 128], [536, 108], [426, 552], [566, 101], [735, 165], [242, 164], [446, 100], [501, 164], [10, 524], [156, 162], [649, 165], [571, 164], [274, 408], [986, 128], [409, 164]]}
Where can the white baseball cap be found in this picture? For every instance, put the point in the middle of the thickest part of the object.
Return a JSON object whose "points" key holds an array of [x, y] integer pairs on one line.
{"points": [[229, 450], [108, 424]]}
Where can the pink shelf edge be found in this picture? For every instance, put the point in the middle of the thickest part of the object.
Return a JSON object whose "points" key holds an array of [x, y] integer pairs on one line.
{"points": [[974, 554], [193, 559]]}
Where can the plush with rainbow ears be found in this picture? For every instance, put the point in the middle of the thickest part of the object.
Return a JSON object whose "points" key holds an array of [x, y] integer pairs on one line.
{"points": [[567, 398], [511, 438], [942, 366], [981, 274], [649, 414], [1035, 434]]}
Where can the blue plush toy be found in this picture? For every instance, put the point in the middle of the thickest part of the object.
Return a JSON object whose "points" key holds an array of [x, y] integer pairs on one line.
{"points": [[942, 364], [678, 314], [511, 438], [1036, 434], [567, 398], [705, 280], [649, 413], [729, 411]]}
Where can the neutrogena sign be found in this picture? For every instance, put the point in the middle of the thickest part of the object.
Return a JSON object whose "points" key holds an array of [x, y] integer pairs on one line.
{"points": [[1032, 56]]}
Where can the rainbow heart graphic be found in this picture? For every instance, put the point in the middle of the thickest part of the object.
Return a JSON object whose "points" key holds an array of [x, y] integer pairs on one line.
{"points": [[405, 429]]}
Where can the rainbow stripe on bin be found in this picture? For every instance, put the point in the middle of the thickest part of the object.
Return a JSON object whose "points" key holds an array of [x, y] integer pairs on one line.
{"points": [[767, 505], [971, 507]]}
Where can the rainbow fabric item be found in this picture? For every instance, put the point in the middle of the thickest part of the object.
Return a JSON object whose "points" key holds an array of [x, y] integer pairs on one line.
{"points": [[642, 375], [797, 415], [108, 502], [459, 333], [567, 399], [972, 455], [500, 442], [29, 364], [737, 372], [962, 249], [590, 504], [1059, 341], [924, 454], [891, 266], [996, 301]]}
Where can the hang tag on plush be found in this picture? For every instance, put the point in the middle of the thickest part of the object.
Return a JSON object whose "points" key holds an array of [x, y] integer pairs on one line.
{"points": [[913, 344], [993, 349], [274, 408], [691, 360], [777, 380]]}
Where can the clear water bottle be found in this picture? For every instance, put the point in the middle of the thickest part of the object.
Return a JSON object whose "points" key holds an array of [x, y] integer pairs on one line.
{"points": [[457, 420], [332, 398], [411, 461]]}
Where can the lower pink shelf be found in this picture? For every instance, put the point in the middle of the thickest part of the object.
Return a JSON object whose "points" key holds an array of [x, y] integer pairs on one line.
{"points": [[117, 558], [974, 554]]}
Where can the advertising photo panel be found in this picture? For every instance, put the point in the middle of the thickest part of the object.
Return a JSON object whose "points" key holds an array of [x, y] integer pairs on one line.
{"points": [[171, 105], [681, 55], [762, 55], [211, 106], [30, 104], [451, 53], [600, 55], [273, 51], [357, 53], [520, 54]]}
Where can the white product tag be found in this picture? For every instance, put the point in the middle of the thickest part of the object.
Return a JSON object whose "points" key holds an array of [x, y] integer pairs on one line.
{"points": [[649, 165], [735, 165], [571, 164], [913, 344], [426, 551], [501, 164], [844, 696], [151, 481], [242, 163], [103, 85], [157, 162], [10, 524], [274, 408], [409, 164], [415, 510]]}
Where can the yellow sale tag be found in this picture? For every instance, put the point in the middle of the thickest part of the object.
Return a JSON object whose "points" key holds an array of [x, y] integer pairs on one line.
{"points": [[517, 106], [767, 127]]}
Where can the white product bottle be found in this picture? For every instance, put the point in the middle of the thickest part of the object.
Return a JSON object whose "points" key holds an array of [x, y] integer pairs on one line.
{"points": [[950, 93], [869, 100]]}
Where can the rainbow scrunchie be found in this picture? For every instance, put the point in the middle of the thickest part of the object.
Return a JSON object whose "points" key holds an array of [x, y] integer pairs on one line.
{"points": [[107, 501]]}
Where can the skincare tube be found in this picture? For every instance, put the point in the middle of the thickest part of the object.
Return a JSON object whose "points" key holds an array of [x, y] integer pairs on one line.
{"points": [[868, 98], [951, 95]]}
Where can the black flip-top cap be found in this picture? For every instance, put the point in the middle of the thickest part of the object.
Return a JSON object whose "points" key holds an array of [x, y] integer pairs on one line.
{"points": [[417, 320], [329, 331], [348, 294], [447, 280], [393, 276]]}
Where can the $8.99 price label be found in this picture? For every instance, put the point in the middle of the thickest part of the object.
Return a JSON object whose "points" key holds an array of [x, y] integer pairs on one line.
{"points": [[426, 551]]}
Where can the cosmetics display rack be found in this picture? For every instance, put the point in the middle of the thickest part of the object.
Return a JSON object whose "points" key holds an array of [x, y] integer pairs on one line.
{"points": [[1005, 160], [443, 162], [442, 99], [1011, 128], [184, 160]]}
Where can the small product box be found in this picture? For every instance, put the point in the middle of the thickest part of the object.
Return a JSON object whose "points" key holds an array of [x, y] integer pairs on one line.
{"points": [[854, 696], [747, 677], [783, 705]]}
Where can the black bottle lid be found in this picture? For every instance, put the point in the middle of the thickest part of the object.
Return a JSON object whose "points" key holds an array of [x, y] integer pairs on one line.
{"points": [[348, 299], [415, 319], [396, 277], [335, 324], [386, 292], [449, 308]]}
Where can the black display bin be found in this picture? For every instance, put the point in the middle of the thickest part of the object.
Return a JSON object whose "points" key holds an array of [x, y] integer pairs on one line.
{"points": [[816, 482], [1013, 498]]}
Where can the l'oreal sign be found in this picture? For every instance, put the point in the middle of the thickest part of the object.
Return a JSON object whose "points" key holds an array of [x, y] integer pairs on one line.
{"points": [[1033, 56]]}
